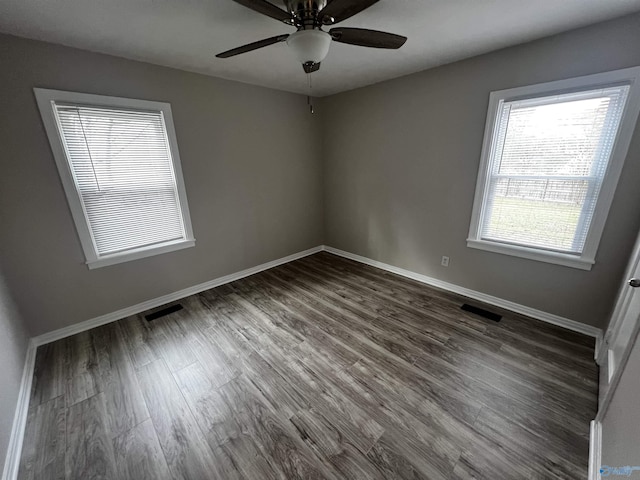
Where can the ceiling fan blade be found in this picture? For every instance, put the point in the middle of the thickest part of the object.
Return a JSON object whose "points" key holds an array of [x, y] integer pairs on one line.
{"points": [[340, 10], [266, 8], [311, 67], [252, 46], [367, 38]]}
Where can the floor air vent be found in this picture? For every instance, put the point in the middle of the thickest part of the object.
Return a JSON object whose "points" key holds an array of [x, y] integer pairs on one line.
{"points": [[482, 312], [163, 312]]}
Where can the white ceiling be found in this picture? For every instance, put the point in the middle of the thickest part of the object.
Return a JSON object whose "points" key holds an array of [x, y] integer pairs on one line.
{"points": [[187, 34]]}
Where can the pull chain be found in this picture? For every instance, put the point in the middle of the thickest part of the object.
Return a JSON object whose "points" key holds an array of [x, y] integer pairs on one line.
{"points": [[309, 101]]}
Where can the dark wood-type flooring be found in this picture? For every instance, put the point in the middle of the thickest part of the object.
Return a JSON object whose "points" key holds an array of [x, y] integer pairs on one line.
{"points": [[320, 368]]}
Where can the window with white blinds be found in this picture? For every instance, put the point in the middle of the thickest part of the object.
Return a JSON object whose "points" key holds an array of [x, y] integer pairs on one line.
{"points": [[122, 163], [544, 170]]}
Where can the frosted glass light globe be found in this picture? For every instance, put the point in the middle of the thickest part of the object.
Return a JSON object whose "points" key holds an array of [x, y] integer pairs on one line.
{"points": [[309, 45]]}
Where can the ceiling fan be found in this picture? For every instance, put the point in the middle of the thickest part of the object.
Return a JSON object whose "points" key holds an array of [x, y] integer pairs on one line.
{"points": [[310, 44]]}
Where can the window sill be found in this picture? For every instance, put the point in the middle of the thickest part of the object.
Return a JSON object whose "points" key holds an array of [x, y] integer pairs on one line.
{"points": [[140, 253], [532, 254]]}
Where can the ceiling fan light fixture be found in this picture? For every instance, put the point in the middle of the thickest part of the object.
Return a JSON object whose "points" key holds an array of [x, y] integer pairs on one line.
{"points": [[309, 45]]}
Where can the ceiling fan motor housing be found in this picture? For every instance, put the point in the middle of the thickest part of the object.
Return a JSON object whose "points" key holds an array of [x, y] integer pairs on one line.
{"points": [[305, 12]]}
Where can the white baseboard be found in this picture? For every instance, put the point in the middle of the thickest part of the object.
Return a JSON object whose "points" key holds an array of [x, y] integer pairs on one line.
{"points": [[482, 297], [12, 460], [171, 297], [595, 450], [601, 347]]}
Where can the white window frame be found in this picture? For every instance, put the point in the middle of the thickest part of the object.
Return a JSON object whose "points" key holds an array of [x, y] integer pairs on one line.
{"points": [[45, 99], [584, 261]]}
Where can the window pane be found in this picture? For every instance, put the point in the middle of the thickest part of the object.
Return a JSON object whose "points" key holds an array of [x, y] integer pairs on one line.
{"points": [[554, 139], [549, 159], [538, 213], [123, 170]]}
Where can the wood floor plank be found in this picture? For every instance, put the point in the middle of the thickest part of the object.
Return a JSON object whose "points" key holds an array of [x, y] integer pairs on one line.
{"points": [[305, 421], [81, 363], [319, 368], [89, 453], [398, 339], [116, 378], [326, 347], [248, 318], [216, 419], [407, 343], [484, 460], [330, 402], [405, 292], [530, 393], [220, 368], [350, 324], [171, 340], [422, 424], [278, 331], [138, 454], [400, 458], [585, 379], [352, 464], [283, 397], [326, 437], [49, 375], [334, 432], [186, 450], [367, 346], [514, 388], [486, 394], [513, 363], [581, 362], [43, 452], [409, 290], [361, 304], [277, 440], [550, 427], [139, 340], [539, 335], [541, 453], [213, 415]]}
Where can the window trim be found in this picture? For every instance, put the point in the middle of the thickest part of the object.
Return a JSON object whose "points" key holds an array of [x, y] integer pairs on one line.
{"points": [[628, 76], [45, 99]]}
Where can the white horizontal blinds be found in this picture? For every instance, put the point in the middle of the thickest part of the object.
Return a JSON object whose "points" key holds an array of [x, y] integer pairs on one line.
{"points": [[123, 171], [547, 165]]}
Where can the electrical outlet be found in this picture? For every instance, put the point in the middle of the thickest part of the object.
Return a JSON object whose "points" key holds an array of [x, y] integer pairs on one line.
{"points": [[445, 261]]}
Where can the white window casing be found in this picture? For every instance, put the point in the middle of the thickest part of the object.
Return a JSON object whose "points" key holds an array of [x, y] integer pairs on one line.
{"points": [[551, 160], [120, 168]]}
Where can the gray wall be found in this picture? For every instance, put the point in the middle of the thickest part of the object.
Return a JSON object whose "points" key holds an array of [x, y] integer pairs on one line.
{"points": [[397, 179], [401, 160], [621, 423], [250, 158], [13, 349]]}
